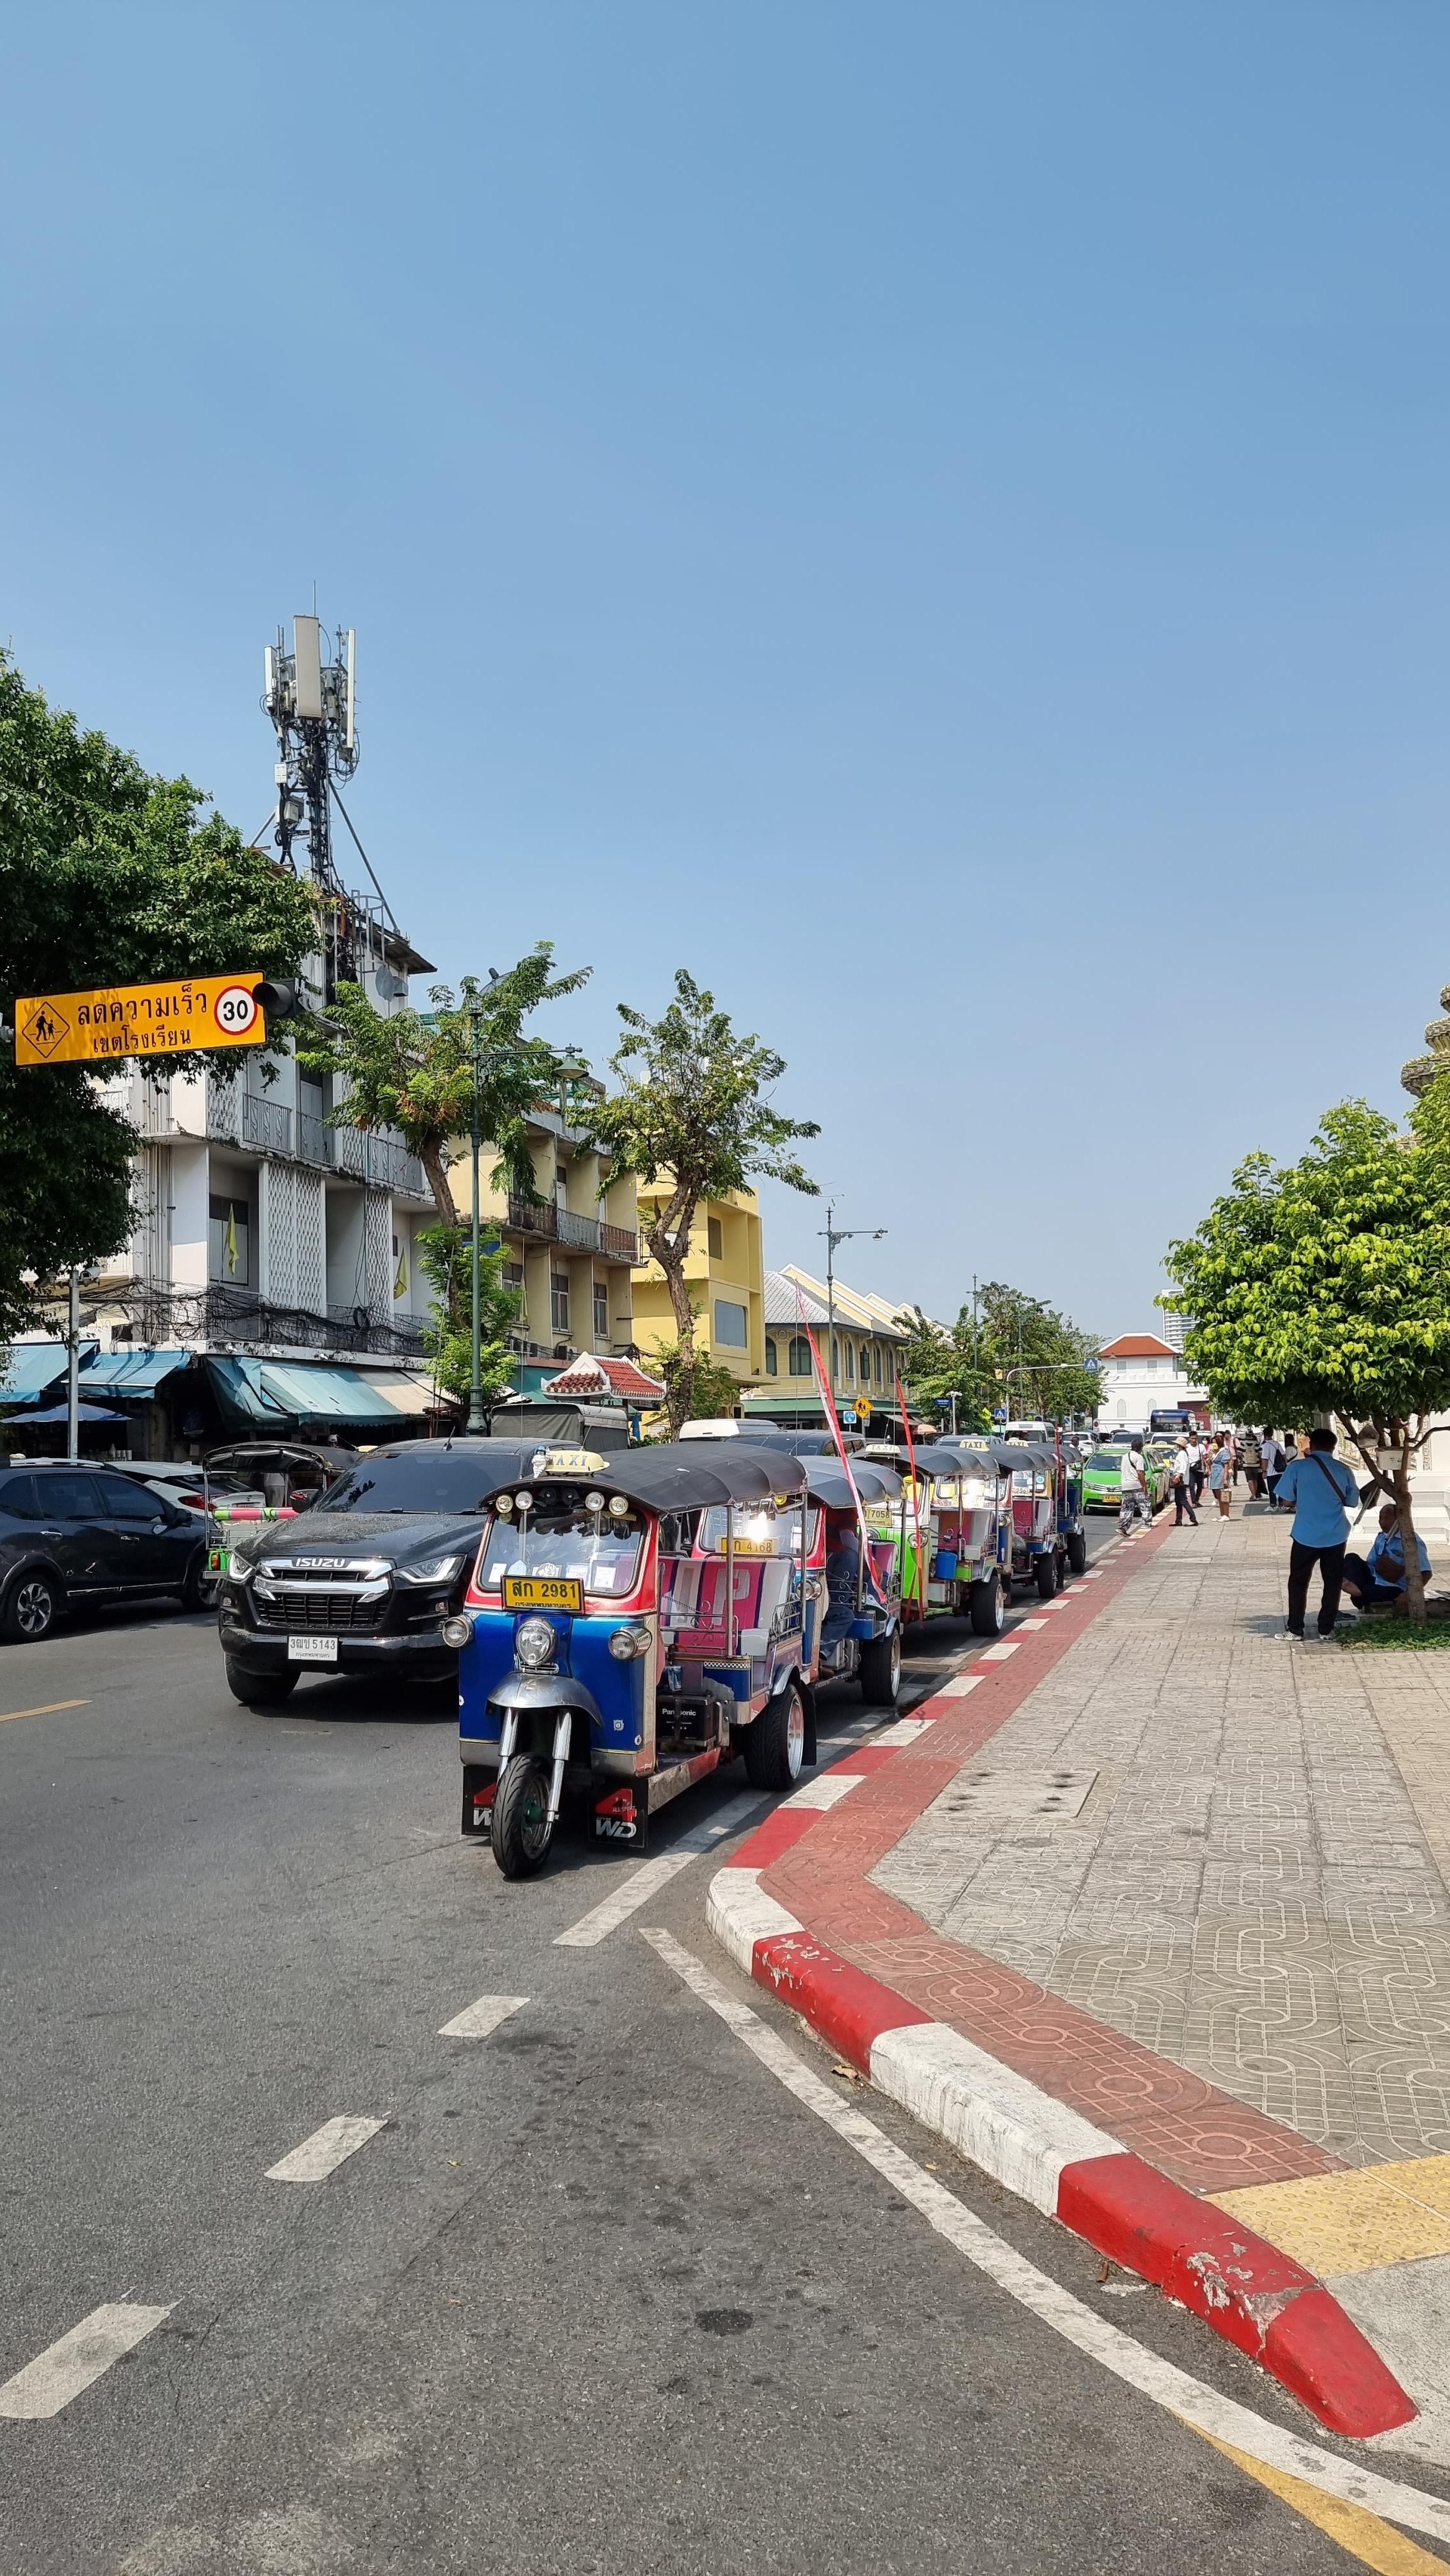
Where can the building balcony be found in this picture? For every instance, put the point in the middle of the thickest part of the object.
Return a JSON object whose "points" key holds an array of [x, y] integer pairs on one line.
{"points": [[235, 1116], [541, 1221]]}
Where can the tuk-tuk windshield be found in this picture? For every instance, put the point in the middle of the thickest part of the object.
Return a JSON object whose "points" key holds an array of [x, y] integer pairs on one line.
{"points": [[562, 1538], [760, 1529]]}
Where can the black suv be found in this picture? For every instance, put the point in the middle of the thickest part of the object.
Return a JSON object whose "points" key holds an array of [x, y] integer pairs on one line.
{"points": [[363, 1580], [75, 1533]]}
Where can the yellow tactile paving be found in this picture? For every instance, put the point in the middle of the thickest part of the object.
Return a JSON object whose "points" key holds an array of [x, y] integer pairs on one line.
{"points": [[1352, 2222]]}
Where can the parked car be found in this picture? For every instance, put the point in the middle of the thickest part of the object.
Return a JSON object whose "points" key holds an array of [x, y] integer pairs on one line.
{"points": [[296, 1473], [1102, 1480], [77, 1533], [195, 1490], [364, 1583]]}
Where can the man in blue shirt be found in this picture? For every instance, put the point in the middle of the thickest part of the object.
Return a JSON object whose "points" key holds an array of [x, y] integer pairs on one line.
{"points": [[1378, 1581], [1323, 1493]]}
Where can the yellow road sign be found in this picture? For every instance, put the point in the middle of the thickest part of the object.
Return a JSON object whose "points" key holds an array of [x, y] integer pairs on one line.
{"points": [[139, 1019]]}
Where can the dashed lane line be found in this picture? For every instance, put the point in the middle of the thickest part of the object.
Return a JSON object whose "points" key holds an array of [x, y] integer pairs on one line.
{"points": [[644, 1882], [60, 2373], [326, 2149], [51, 1708], [477, 2020], [1220, 2419]]}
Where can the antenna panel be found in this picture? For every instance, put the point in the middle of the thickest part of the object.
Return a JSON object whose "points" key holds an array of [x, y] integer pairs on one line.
{"points": [[307, 656]]}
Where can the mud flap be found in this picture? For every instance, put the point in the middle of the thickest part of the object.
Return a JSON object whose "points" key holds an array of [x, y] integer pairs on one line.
{"points": [[808, 1697], [623, 1820], [479, 1788]]}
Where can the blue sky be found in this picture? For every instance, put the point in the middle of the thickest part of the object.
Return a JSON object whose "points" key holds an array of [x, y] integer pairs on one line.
{"points": [[934, 517]]}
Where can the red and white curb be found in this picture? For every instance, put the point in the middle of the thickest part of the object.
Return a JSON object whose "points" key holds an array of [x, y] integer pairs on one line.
{"points": [[1039, 2148]]}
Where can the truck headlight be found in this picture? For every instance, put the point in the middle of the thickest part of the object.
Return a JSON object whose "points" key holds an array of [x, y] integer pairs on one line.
{"points": [[533, 1645], [457, 1631], [439, 1569], [627, 1643]]}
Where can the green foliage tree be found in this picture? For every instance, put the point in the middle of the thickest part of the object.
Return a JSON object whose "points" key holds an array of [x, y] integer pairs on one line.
{"points": [[713, 1391], [1323, 1288], [444, 1252], [414, 1071], [108, 875], [1016, 1351], [692, 1109]]}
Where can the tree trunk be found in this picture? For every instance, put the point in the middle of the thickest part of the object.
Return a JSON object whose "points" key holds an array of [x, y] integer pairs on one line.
{"points": [[431, 1158], [668, 1241], [1414, 1579]]}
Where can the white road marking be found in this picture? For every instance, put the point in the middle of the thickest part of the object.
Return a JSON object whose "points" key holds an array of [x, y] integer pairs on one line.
{"points": [[906, 1730], [999, 1653], [326, 2149], [642, 1883], [57, 2375], [477, 2020], [1222, 2418], [828, 1791], [1032, 1623], [959, 1686]]}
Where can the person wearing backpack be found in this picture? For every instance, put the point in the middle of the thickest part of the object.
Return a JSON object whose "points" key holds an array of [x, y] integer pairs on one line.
{"points": [[1324, 1493]]}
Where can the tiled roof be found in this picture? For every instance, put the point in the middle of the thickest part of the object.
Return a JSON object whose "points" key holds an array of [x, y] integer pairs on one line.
{"points": [[1138, 1346], [591, 1375], [854, 1312]]}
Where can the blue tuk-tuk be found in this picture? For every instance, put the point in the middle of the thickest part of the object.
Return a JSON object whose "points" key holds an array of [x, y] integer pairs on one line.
{"points": [[1049, 1539], [633, 1621]]}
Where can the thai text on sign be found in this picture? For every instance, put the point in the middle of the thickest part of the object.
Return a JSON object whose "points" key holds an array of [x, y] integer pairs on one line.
{"points": [[139, 1019]]}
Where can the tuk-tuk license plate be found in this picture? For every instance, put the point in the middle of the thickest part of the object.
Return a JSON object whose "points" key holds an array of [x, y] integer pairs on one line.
{"points": [[542, 1592], [312, 1650]]}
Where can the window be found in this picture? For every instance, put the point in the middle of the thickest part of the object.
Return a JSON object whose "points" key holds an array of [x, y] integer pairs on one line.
{"points": [[513, 1278], [228, 1249], [731, 1324], [601, 1311], [800, 1356], [559, 1300], [771, 1365], [877, 1357], [715, 1236], [68, 1497], [123, 1500], [850, 1363]]}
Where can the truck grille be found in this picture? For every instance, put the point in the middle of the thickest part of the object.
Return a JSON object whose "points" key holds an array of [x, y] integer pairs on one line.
{"points": [[323, 1612]]}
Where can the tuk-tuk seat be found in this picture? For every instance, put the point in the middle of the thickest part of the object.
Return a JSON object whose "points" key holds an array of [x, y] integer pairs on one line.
{"points": [[693, 1604]]}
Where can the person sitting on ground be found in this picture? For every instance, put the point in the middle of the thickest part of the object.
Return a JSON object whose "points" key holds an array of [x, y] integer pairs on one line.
{"points": [[1379, 1581]]}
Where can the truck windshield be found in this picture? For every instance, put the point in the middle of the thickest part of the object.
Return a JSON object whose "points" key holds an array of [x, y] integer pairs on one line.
{"points": [[600, 1553]]}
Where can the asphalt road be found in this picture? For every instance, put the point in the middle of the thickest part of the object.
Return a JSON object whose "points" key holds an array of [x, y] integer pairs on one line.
{"points": [[599, 2295]]}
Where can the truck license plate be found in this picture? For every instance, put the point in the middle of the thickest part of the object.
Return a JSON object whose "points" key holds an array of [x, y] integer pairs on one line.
{"points": [[312, 1650]]}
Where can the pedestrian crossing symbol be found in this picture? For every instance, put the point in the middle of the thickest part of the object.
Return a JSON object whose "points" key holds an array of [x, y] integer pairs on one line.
{"points": [[45, 1030]]}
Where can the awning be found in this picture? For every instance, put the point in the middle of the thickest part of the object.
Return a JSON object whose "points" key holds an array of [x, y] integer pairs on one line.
{"points": [[275, 1392], [238, 1386], [28, 1368], [413, 1395], [126, 1372], [84, 1413]]}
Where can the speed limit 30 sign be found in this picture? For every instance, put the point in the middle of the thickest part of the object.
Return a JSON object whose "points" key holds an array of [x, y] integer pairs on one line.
{"points": [[139, 1019], [238, 1011]]}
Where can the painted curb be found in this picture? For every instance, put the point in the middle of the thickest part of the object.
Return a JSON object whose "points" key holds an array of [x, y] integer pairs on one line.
{"points": [[1242, 2287]]}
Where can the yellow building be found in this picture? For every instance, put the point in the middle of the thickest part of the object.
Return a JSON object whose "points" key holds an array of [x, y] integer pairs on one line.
{"points": [[570, 1255], [725, 1275], [870, 1342]]}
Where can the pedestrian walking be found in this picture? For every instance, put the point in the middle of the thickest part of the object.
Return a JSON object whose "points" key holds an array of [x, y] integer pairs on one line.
{"points": [[1324, 1493], [1220, 1476], [1253, 1464], [1133, 1488], [1197, 1467], [1182, 1476], [1272, 1450]]}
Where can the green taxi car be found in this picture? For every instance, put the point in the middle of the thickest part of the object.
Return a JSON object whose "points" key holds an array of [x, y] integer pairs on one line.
{"points": [[1102, 1480]]}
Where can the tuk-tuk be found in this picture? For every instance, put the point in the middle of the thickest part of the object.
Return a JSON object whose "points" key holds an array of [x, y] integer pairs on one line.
{"points": [[1049, 1541], [632, 1622], [853, 1593], [957, 1542]]}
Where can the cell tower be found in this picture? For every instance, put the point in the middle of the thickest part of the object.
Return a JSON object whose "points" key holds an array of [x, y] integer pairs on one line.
{"points": [[313, 705]]}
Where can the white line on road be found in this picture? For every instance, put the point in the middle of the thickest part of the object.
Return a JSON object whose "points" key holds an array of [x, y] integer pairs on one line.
{"points": [[1032, 1623], [906, 1730], [999, 1653], [1221, 2418], [57, 2375], [642, 1883], [326, 2149], [477, 2020], [959, 1686], [828, 1791]]}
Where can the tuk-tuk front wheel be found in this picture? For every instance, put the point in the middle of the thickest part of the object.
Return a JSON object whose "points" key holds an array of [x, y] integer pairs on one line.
{"points": [[881, 1670], [775, 1746], [988, 1608], [1077, 1551], [1046, 1573], [521, 1816]]}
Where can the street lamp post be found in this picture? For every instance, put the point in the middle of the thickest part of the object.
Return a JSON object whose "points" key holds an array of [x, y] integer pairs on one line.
{"points": [[476, 1422], [835, 1234]]}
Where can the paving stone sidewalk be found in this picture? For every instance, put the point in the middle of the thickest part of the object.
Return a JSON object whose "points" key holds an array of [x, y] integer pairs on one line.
{"points": [[1236, 1853]]}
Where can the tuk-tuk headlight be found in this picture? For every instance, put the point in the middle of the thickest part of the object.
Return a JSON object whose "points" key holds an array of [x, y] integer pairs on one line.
{"points": [[457, 1631], [627, 1643], [533, 1644]]}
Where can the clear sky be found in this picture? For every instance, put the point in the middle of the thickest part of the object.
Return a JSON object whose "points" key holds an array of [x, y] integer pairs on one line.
{"points": [[935, 517]]}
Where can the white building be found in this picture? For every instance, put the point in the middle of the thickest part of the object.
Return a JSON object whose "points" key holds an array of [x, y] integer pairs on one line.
{"points": [[1139, 1375]]}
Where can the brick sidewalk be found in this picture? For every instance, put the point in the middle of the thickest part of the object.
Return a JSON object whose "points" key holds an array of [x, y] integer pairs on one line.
{"points": [[1192, 1882]]}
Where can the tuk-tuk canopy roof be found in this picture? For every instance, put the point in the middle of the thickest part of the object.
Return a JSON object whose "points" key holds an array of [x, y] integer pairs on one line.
{"points": [[687, 1475], [802, 1444], [936, 1461], [826, 1482]]}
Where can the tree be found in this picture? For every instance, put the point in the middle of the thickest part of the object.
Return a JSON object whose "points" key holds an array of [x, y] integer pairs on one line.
{"points": [[444, 1253], [1015, 1352], [692, 1110], [414, 1071], [714, 1390], [108, 875], [1323, 1288]]}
